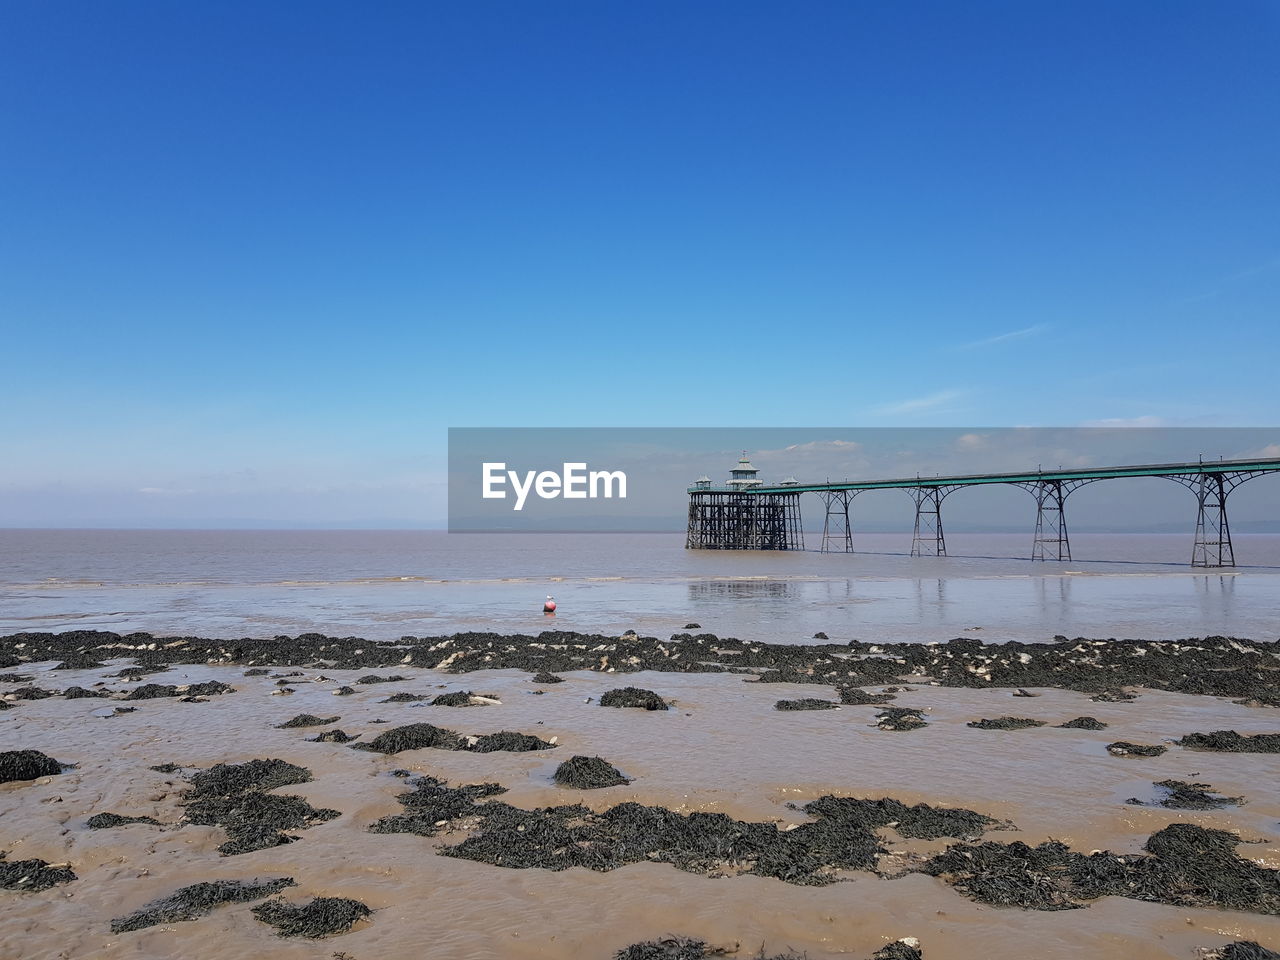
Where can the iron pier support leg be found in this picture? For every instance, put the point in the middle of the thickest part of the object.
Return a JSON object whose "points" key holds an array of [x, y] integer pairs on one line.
{"points": [[928, 540], [837, 535], [1051, 541], [1213, 534]]}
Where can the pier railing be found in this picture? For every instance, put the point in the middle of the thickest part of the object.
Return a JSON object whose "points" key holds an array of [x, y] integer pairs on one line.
{"points": [[767, 517]]}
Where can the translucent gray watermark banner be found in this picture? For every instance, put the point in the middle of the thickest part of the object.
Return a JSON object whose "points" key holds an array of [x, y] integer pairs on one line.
{"points": [[595, 479]]}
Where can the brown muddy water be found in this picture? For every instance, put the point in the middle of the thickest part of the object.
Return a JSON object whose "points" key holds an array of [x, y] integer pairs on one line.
{"points": [[722, 748]]}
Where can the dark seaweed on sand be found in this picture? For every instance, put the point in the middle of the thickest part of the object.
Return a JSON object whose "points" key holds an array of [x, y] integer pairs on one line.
{"points": [[1185, 865], [197, 900], [257, 672], [231, 796], [685, 948], [431, 804], [31, 693], [545, 677], [841, 835], [322, 917], [105, 821], [507, 740], [374, 678], [1242, 950], [1123, 748], [633, 697], [420, 736], [588, 773], [15, 678], [80, 693], [1005, 723], [1232, 742], [307, 720], [1214, 666], [456, 698], [1180, 795], [332, 736], [153, 691], [1083, 723], [208, 688], [413, 736], [26, 765], [855, 696], [404, 698], [805, 703], [900, 718], [30, 876]]}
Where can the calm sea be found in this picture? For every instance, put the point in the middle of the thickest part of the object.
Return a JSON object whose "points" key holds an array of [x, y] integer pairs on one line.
{"points": [[386, 584]]}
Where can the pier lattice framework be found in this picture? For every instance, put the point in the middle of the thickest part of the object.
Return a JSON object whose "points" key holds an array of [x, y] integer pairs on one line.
{"points": [[768, 517]]}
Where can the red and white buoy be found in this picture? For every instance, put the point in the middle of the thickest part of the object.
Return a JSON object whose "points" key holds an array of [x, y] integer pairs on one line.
{"points": [[549, 606]]}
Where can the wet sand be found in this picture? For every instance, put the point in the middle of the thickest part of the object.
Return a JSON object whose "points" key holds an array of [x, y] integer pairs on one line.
{"points": [[722, 748]]}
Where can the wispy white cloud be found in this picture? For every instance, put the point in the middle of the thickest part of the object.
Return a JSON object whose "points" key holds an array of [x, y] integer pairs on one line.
{"points": [[1144, 421], [1022, 334], [843, 446], [931, 403], [1228, 281]]}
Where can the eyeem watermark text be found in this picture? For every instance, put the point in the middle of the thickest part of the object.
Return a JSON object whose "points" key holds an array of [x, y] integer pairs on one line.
{"points": [[575, 483]]}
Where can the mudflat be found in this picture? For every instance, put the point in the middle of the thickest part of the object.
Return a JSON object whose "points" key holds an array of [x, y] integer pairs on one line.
{"points": [[222, 798]]}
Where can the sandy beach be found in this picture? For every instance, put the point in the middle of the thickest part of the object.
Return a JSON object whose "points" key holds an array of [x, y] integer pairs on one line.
{"points": [[471, 881]]}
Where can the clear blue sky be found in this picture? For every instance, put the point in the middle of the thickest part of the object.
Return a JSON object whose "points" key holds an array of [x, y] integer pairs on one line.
{"points": [[256, 257]]}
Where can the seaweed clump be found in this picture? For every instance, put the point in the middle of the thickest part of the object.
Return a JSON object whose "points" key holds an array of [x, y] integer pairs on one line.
{"points": [[403, 697], [900, 718], [332, 736], [80, 693], [153, 691], [194, 901], [1242, 950], [374, 678], [432, 804], [26, 765], [589, 773], [1122, 748], [805, 703], [322, 917], [1083, 723], [1185, 865], [413, 736], [1231, 742], [31, 693], [1005, 723], [31, 876], [543, 676], [420, 736], [209, 688], [458, 698], [856, 696], [686, 948], [233, 797], [105, 821], [307, 720], [1180, 795], [1238, 669], [841, 835], [634, 697]]}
